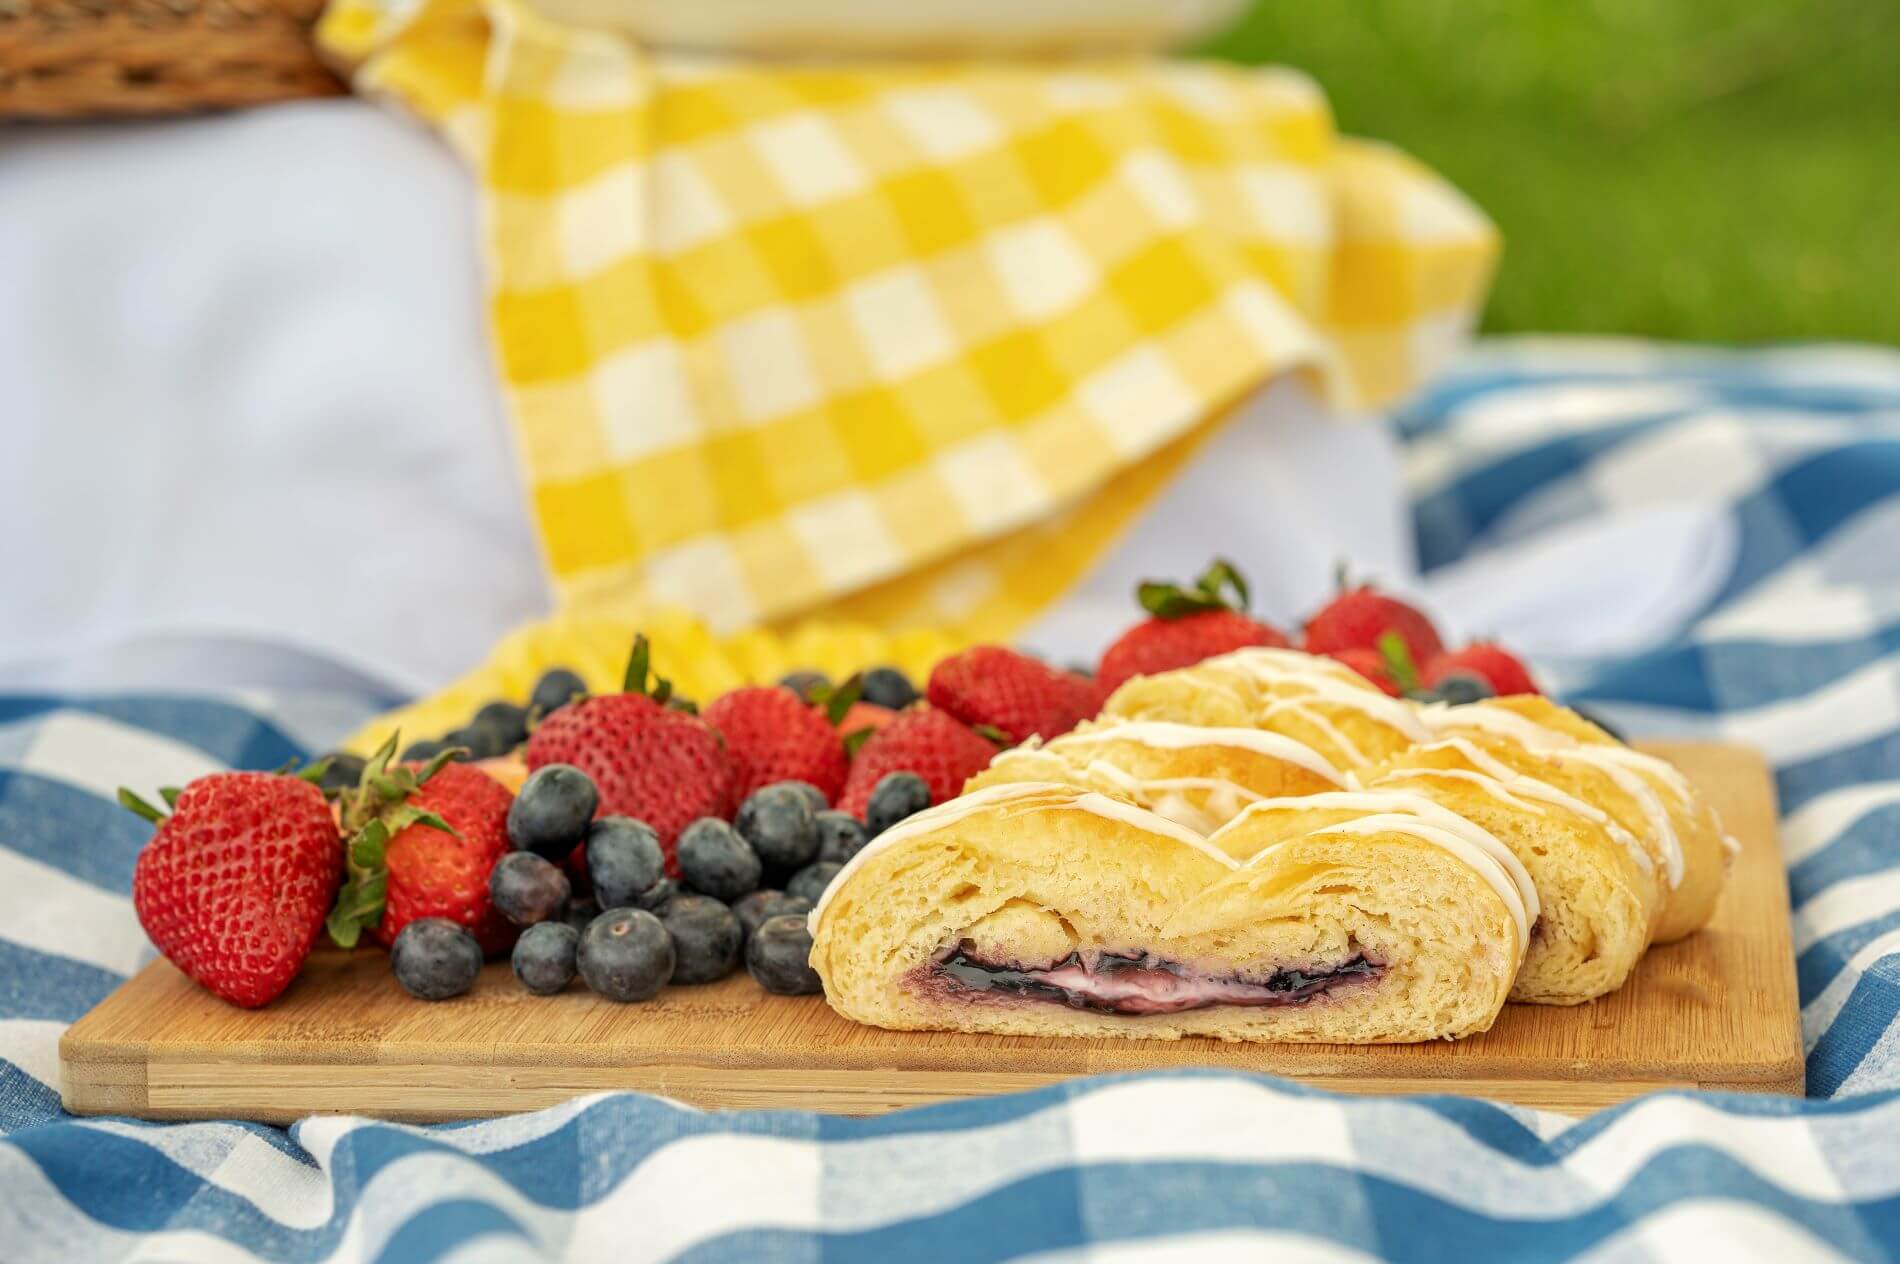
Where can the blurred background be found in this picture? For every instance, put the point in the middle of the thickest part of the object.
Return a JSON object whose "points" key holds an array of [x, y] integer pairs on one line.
{"points": [[1716, 170], [196, 307]]}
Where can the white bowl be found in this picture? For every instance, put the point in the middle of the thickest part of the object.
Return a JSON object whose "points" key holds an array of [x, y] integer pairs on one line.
{"points": [[818, 28]]}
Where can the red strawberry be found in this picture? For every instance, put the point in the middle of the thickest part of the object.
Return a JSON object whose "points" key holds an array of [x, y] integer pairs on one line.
{"points": [[650, 761], [422, 838], [1019, 696], [1373, 666], [864, 717], [234, 886], [922, 740], [1358, 617], [774, 735], [1188, 625], [1502, 670]]}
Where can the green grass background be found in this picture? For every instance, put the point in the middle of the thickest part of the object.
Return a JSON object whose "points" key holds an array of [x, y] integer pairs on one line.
{"points": [[1720, 170]]}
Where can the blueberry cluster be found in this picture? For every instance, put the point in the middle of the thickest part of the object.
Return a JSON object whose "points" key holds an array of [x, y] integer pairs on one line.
{"points": [[742, 894], [743, 891], [500, 726]]}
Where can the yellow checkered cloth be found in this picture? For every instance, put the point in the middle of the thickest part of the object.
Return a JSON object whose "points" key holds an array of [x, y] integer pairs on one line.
{"points": [[902, 344]]}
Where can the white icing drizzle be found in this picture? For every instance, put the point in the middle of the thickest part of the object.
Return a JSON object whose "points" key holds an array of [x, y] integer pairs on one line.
{"points": [[1614, 762], [1483, 863], [1166, 735], [1489, 785], [1049, 794], [1328, 680], [1225, 797], [1054, 765], [1439, 716], [1298, 707], [1063, 757], [1646, 799], [1505, 872], [1534, 788]]}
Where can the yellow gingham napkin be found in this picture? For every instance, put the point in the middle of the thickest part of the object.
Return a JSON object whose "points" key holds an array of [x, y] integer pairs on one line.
{"points": [[901, 344]]}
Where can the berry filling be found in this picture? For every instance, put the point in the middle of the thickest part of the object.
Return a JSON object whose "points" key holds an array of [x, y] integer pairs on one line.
{"points": [[1110, 984]]}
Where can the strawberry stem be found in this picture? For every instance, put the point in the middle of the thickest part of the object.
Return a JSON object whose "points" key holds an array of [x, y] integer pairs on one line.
{"points": [[1166, 600], [1220, 574], [1398, 661], [375, 812], [139, 807], [839, 701], [638, 664]]}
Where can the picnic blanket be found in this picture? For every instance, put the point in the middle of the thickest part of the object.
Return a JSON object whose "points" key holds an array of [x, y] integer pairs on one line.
{"points": [[1798, 652], [906, 342]]}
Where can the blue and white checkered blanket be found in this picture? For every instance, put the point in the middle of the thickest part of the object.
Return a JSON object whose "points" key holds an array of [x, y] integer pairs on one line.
{"points": [[1799, 652]]}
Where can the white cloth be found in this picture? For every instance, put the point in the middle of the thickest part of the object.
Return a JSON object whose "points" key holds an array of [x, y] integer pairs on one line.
{"points": [[247, 396], [250, 430]]}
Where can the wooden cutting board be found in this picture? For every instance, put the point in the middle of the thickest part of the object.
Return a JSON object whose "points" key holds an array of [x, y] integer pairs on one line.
{"points": [[1718, 1011]]}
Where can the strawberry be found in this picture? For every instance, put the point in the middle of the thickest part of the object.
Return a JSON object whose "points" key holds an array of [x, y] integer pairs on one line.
{"points": [[1189, 624], [774, 735], [1373, 666], [1018, 696], [1497, 666], [923, 740], [865, 718], [422, 838], [1358, 617], [234, 885], [650, 761]]}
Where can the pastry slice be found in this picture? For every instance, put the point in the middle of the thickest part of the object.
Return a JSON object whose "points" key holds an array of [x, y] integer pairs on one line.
{"points": [[1646, 796], [1193, 776], [1049, 910], [1598, 891], [1317, 701]]}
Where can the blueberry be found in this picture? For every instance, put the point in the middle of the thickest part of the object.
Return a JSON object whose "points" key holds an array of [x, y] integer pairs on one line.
{"points": [[761, 906], [812, 794], [556, 689], [624, 859], [526, 889], [656, 897], [810, 882], [840, 836], [1601, 723], [344, 772], [896, 796], [580, 912], [421, 752], [544, 957], [625, 955], [780, 823], [706, 938], [435, 959], [715, 861], [888, 687], [480, 743], [806, 684], [1461, 688], [551, 811], [508, 723], [779, 957]]}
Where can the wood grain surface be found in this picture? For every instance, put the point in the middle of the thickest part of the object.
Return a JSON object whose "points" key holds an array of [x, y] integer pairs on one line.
{"points": [[1718, 1010]]}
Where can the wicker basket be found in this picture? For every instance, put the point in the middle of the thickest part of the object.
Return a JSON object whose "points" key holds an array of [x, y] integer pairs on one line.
{"points": [[96, 58]]}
